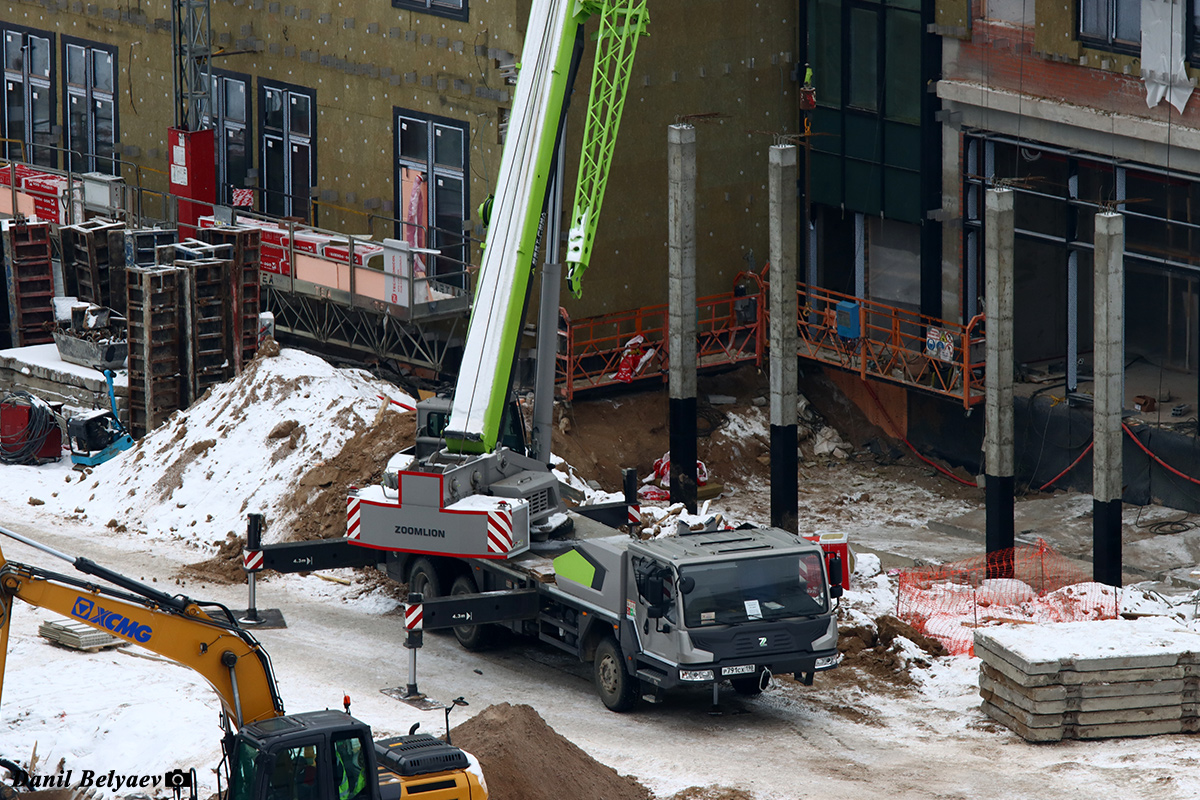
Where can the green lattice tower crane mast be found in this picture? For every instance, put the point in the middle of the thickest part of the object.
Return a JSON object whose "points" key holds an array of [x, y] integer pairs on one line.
{"points": [[518, 216]]}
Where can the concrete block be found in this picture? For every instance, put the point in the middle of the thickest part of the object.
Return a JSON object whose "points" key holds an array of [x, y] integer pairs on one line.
{"points": [[1072, 677], [1052, 700], [1092, 646]]}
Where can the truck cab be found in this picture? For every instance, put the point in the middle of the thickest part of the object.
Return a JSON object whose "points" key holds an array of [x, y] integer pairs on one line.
{"points": [[329, 755], [704, 607]]}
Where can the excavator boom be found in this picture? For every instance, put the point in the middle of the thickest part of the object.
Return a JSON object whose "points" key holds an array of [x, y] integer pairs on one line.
{"points": [[229, 658]]}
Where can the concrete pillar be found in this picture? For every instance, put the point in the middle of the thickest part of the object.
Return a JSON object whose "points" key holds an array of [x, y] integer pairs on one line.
{"points": [[998, 435], [1109, 397], [681, 298], [784, 172]]}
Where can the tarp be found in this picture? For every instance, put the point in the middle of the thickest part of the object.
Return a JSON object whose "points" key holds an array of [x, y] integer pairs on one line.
{"points": [[1163, 70]]}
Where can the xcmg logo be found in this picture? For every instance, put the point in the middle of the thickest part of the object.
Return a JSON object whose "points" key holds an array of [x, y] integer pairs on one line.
{"points": [[88, 611]]}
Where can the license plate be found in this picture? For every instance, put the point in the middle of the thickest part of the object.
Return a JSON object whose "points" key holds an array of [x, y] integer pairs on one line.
{"points": [[744, 669]]}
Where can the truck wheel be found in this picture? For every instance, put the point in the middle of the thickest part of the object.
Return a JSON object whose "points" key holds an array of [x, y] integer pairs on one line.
{"points": [[471, 637], [424, 578], [617, 689], [749, 685]]}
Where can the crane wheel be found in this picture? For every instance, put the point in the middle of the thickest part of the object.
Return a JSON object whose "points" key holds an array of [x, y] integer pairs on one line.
{"points": [[616, 687], [471, 637], [424, 578]]}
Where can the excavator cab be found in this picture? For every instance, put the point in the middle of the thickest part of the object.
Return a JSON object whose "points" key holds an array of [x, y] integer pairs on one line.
{"points": [[321, 755]]}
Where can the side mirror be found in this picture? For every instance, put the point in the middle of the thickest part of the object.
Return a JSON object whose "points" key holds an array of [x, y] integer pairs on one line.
{"points": [[687, 584], [835, 571], [654, 612]]}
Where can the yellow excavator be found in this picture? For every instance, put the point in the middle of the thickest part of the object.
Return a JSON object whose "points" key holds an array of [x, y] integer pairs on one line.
{"points": [[268, 755]]}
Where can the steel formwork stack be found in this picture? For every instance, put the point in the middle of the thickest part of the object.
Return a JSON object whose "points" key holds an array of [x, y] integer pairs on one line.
{"points": [[29, 276], [209, 345], [141, 246], [156, 300], [93, 257], [246, 243]]}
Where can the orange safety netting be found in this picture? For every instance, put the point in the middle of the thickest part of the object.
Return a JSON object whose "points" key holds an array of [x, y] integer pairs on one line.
{"points": [[1026, 585]]}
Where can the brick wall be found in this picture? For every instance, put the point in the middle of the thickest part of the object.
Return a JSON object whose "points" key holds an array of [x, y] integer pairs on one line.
{"points": [[1001, 56]]}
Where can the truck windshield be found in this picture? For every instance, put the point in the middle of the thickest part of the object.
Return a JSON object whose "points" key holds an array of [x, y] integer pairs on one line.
{"points": [[754, 589]]}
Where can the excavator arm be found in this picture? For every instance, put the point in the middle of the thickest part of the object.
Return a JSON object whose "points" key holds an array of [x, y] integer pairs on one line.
{"points": [[177, 628]]}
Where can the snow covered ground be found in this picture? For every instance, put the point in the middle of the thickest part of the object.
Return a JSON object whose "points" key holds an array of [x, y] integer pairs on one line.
{"points": [[196, 478]]}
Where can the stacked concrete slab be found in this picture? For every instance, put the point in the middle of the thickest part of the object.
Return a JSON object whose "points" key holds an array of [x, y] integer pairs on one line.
{"points": [[1090, 680]]}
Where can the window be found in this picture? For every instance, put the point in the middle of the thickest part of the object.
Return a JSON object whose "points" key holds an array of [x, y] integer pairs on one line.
{"points": [[294, 776], [431, 167], [1113, 24], [28, 100], [91, 109], [231, 132], [288, 157], [349, 767], [455, 9]]}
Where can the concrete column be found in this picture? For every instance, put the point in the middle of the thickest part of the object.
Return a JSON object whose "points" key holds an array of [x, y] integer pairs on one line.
{"points": [[998, 435], [681, 292], [1109, 397], [784, 338]]}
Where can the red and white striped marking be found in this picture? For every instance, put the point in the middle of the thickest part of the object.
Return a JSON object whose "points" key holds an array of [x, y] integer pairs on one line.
{"points": [[353, 531], [500, 531], [635, 514], [252, 560], [414, 617]]}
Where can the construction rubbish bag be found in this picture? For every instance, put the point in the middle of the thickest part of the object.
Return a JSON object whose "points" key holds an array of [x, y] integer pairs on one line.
{"points": [[662, 471], [633, 359], [829, 442]]}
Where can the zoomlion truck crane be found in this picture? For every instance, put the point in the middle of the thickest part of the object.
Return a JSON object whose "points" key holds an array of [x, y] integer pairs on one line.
{"points": [[318, 755], [468, 509]]}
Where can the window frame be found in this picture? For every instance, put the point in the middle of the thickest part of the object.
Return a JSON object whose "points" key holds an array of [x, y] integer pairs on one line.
{"points": [[217, 119], [433, 171], [450, 9], [1109, 41], [288, 138], [92, 95], [29, 83]]}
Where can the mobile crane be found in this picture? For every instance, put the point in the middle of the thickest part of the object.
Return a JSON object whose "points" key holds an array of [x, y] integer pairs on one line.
{"points": [[268, 755], [468, 510]]}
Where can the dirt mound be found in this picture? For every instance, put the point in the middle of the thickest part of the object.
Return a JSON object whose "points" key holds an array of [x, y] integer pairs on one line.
{"points": [[869, 656], [523, 758], [319, 497], [711, 793], [317, 502]]}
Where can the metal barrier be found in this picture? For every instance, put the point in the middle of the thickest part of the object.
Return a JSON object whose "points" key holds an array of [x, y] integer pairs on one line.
{"points": [[893, 344], [602, 351]]}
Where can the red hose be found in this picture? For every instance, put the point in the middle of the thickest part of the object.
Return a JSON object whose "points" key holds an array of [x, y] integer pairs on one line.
{"points": [[1070, 467], [1161, 463], [896, 432]]}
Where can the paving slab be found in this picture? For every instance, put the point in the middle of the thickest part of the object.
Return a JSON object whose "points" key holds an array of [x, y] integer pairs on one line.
{"points": [[1093, 646], [1058, 733], [1038, 702], [1184, 688]]}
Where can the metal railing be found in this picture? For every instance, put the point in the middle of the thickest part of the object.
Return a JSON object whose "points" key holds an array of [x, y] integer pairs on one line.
{"points": [[892, 344], [729, 330]]}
